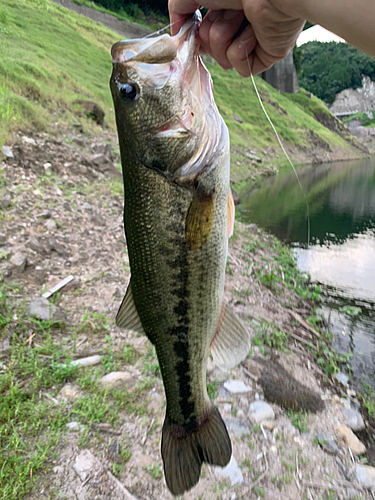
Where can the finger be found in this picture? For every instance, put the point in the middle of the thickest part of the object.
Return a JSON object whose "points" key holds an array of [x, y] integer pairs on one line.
{"points": [[204, 30], [179, 11], [222, 32], [240, 50]]}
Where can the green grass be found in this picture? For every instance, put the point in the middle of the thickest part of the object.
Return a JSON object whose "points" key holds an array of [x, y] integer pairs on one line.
{"points": [[364, 119], [49, 58]]}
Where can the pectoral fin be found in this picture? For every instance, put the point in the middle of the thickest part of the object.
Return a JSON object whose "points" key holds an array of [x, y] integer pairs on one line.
{"points": [[127, 316], [231, 342], [231, 213], [200, 219]]}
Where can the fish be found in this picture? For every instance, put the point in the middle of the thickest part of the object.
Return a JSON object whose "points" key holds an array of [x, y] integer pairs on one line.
{"points": [[178, 215]]}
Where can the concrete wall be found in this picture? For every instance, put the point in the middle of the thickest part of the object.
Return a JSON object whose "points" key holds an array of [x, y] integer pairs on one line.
{"points": [[282, 76]]}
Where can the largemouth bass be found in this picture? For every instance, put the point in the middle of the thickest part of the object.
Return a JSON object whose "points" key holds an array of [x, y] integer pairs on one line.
{"points": [[178, 215]]}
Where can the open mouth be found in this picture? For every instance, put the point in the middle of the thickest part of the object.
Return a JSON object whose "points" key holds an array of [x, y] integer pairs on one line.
{"points": [[160, 49]]}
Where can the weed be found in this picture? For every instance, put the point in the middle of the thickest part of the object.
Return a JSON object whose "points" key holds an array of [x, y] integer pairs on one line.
{"points": [[212, 390], [116, 469], [299, 419], [270, 336], [368, 400], [154, 471], [259, 491]]}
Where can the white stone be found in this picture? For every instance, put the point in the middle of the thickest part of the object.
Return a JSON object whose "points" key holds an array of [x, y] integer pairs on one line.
{"points": [[89, 361], [116, 380], [366, 476], [236, 387], [231, 472], [69, 392], [75, 426], [51, 225], [227, 408], [85, 463], [354, 420], [259, 412]]}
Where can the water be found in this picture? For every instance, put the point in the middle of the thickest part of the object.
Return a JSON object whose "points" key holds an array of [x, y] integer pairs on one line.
{"points": [[341, 253]]}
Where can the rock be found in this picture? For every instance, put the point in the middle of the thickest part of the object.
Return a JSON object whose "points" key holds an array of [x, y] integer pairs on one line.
{"points": [[353, 419], [253, 157], [89, 361], [259, 412], [3, 239], [69, 392], [84, 464], [351, 441], [115, 380], [342, 378], [237, 118], [327, 444], [237, 427], [28, 140], [75, 426], [103, 164], [92, 110], [42, 309], [269, 425], [366, 476], [19, 262], [8, 153], [51, 225], [231, 472], [227, 407], [236, 387], [35, 245]]}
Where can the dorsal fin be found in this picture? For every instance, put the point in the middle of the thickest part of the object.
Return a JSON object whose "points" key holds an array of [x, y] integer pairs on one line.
{"points": [[127, 316], [231, 342]]}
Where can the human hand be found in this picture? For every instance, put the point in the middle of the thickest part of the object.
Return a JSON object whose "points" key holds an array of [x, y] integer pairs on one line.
{"points": [[234, 43]]}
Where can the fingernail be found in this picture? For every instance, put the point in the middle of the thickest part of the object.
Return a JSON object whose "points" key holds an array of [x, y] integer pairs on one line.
{"points": [[231, 14]]}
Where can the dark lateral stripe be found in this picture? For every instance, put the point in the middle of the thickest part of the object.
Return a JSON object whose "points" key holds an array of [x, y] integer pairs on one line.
{"points": [[180, 331]]}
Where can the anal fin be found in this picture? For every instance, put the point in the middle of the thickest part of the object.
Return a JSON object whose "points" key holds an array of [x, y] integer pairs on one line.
{"points": [[231, 342], [127, 316]]}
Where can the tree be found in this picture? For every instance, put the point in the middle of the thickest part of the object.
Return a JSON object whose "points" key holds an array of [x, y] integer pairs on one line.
{"points": [[329, 68]]}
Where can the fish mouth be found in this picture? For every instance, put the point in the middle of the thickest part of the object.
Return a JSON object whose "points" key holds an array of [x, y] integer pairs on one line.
{"points": [[153, 62], [160, 49]]}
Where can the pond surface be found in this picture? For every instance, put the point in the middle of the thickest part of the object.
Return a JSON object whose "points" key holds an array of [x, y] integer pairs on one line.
{"points": [[341, 252]]}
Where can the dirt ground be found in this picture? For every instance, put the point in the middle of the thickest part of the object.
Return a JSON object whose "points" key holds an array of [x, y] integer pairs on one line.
{"points": [[62, 211]]}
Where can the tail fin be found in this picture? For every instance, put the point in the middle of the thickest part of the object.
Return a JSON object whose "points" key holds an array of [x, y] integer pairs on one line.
{"points": [[183, 454]]}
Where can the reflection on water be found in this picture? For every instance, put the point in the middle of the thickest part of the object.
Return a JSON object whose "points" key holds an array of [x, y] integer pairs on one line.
{"points": [[341, 254]]}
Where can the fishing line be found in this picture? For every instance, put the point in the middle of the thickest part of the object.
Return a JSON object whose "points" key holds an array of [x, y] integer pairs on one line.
{"points": [[160, 31], [283, 149]]}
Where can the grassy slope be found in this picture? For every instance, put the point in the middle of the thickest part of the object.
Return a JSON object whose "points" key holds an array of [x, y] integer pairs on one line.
{"points": [[49, 57], [43, 71]]}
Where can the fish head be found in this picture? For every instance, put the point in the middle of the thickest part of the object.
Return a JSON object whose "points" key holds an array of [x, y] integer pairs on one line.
{"points": [[163, 97]]}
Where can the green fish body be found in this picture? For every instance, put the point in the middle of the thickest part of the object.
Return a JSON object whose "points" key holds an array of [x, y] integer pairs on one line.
{"points": [[175, 157]]}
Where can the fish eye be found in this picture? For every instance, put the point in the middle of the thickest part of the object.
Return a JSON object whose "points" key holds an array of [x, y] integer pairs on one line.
{"points": [[129, 91]]}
